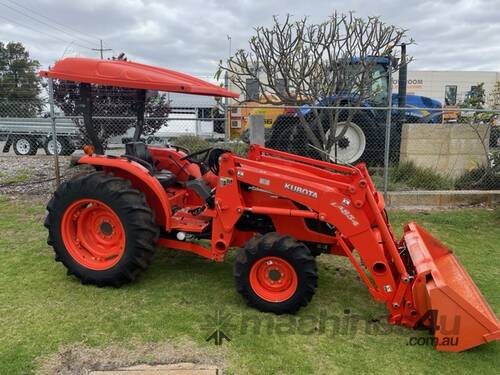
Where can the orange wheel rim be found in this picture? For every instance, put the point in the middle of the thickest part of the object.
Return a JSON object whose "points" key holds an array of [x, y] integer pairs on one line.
{"points": [[93, 234], [273, 279]]}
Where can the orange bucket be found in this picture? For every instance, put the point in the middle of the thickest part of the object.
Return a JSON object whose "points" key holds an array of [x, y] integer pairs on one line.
{"points": [[445, 295]]}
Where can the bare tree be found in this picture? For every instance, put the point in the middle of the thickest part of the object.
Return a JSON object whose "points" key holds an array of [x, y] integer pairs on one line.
{"points": [[330, 64]]}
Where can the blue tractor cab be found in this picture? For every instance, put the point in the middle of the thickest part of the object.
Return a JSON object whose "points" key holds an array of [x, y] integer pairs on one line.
{"points": [[363, 137]]}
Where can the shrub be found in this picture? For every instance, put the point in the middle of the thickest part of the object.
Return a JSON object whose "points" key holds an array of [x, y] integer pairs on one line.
{"points": [[482, 178], [408, 176], [479, 178], [239, 148], [192, 143]]}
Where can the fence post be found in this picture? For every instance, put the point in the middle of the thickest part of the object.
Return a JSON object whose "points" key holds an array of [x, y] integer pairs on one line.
{"points": [[387, 144], [226, 109], [54, 135], [197, 125], [257, 130]]}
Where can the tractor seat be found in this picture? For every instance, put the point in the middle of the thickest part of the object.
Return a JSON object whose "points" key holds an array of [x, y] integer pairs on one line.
{"points": [[138, 152], [166, 178]]}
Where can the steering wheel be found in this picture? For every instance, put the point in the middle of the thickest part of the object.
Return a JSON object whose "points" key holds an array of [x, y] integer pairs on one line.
{"points": [[204, 152]]}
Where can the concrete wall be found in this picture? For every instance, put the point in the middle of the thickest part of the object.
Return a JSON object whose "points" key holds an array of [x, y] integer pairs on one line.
{"points": [[449, 149], [442, 199]]}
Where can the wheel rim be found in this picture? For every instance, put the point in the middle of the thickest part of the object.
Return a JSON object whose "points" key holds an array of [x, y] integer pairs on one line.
{"points": [[351, 146], [50, 147], [93, 234], [273, 279], [23, 146]]}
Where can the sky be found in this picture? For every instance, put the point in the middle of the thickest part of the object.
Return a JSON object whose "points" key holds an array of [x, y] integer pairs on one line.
{"points": [[192, 36]]}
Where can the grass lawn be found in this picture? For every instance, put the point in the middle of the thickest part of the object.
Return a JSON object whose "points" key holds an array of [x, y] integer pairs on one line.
{"points": [[43, 309]]}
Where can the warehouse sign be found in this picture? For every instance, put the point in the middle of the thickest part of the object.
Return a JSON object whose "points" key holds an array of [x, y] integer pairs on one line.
{"points": [[411, 84]]}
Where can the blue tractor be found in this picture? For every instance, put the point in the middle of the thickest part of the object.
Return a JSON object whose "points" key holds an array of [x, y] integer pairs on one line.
{"points": [[363, 138]]}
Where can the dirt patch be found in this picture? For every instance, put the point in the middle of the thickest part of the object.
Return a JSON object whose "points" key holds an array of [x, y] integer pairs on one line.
{"points": [[78, 359]]}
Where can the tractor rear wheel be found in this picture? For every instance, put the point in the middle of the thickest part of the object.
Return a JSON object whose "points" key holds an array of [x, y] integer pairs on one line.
{"points": [[275, 273], [101, 229]]}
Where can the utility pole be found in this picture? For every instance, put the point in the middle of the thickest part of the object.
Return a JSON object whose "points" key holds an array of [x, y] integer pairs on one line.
{"points": [[101, 50]]}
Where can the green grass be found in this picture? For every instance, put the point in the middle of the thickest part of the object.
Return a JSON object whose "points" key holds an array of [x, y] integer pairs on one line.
{"points": [[43, 309]]}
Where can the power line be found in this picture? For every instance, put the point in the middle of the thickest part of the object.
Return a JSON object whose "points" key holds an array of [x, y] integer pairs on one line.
{"points": [[41, 32], [101, 50], [86, 35], [44, 23]]}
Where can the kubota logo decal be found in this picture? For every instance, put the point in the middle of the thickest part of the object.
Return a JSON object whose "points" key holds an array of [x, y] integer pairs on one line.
{"points": [[300, 190]]}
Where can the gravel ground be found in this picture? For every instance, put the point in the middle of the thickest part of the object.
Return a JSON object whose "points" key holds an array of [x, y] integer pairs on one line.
{"points": [[26, 176], [31, 176]]}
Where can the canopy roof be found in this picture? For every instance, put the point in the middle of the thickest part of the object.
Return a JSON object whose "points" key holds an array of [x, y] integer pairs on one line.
{"points": [[133, 75]]}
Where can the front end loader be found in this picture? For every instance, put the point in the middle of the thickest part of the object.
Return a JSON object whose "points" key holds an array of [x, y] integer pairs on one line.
{"points": [[281, 210]]}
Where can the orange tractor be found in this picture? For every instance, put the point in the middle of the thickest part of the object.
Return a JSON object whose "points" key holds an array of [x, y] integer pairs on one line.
{"points": [[281, 210]]}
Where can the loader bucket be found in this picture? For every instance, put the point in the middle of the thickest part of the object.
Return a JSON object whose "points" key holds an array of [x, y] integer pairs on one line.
{"points": [[446, 297]]}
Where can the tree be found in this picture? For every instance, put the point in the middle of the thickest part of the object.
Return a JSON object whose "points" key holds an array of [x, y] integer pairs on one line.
{"points": [[476, 97], [114, 108], [494, 97], [19, 82], [482, 175], [330, 64]]}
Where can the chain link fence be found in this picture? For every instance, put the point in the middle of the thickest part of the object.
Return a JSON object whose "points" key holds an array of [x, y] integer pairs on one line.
{"points": [[404, 149]]}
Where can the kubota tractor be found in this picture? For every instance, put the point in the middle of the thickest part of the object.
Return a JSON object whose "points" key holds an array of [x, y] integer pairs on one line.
{"points": [[280, 209]]}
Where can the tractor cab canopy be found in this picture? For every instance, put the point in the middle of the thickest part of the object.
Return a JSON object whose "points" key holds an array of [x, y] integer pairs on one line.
{"points": [[126, 74]]}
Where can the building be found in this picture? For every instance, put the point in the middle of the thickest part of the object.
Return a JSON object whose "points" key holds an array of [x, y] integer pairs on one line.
{"points": [[449, 87]]}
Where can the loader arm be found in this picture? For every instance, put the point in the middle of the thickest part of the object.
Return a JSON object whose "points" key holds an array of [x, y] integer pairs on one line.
{"points": [[338, 195], [412, 277]]}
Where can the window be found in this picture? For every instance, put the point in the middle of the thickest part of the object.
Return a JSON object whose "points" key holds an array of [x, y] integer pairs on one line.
{"points": [[450, 95], [379, 87], [252, 89]]}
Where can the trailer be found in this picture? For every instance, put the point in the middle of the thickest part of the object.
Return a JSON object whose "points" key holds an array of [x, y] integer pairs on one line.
{"points": [[27, 135], [181, 122]]}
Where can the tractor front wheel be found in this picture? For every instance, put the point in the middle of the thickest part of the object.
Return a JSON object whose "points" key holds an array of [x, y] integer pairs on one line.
{"points": [[275, 273], [101, 229]]}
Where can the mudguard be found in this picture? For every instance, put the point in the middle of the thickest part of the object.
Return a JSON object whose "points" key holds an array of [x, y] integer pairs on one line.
{"points": [[140, 178]]}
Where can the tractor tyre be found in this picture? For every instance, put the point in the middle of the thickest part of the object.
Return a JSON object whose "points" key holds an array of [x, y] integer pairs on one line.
{"points": [[101, 229], [275, 273], [363, 139]]}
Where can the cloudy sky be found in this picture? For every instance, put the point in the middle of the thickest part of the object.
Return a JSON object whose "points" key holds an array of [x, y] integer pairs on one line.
{"points": [[192, 36]]}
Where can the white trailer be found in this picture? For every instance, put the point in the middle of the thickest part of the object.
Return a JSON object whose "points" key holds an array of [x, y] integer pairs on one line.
{"points": [[27, 135]]}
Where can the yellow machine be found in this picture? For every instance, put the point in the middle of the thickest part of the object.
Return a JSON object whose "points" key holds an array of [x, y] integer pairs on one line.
{"points": [[238, 116]]}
